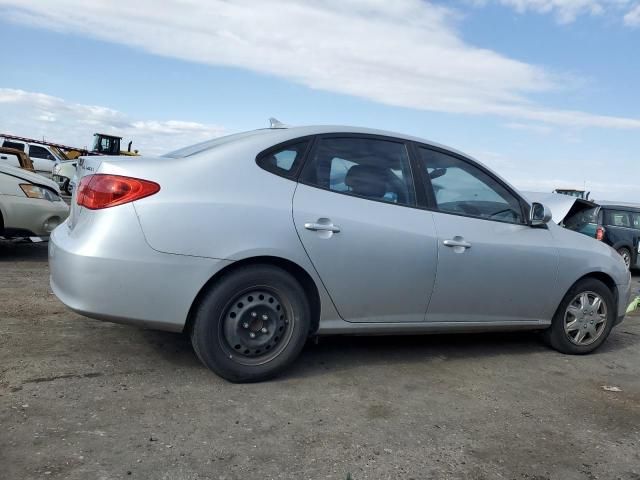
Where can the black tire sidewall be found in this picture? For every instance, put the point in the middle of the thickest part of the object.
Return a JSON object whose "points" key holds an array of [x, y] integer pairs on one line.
{"points": [[556, 334], [205, 333], [628, 252]]}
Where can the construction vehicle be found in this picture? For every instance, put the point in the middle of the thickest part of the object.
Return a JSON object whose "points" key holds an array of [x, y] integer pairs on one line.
{"points": [[573, 193], [103, 144]]}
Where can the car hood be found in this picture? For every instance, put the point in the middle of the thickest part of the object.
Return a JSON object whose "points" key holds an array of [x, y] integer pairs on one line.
{"points": [[558, 203], [30, 177]]}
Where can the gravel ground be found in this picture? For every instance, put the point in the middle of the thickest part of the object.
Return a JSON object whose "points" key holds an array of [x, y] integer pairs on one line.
{"points": [[83, 399]]}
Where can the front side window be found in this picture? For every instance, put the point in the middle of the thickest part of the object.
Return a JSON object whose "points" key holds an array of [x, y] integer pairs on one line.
{"points": [[39, 152], [283, 161], [370, 168], [462, 188], [635, 220]]}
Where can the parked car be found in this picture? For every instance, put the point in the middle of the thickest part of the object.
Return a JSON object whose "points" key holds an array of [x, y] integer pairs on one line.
{"points": [[30, 205], [617, 225], [15, 158], [44, 157], [271, 236], [62, 174]]}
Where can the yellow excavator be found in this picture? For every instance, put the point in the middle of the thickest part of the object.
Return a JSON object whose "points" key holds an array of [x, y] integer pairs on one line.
{"points": [[103, 144]]}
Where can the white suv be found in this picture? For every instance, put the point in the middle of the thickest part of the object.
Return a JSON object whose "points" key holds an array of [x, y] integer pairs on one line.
{"points": [[44, 157]]}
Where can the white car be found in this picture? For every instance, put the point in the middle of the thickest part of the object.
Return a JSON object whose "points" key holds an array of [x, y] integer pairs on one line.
{"points": [[30, 205], [63, 173], [44, 157]]}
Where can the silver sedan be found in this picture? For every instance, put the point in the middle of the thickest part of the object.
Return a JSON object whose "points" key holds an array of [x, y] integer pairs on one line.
{"points": [[268, 237]]}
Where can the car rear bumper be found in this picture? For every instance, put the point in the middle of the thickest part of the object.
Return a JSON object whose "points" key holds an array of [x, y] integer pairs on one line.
{"points": [[110, 273]]}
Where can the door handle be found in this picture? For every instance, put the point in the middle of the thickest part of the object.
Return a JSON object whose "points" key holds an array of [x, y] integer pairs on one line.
{"points": [[457, 242], [322, 227]]}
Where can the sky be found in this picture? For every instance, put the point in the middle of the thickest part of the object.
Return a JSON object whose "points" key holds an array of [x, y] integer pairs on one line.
{"points": [[545, 92]]}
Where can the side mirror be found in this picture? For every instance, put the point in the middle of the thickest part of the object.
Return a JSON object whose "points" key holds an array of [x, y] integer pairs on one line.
{"points": [[540, 215]]}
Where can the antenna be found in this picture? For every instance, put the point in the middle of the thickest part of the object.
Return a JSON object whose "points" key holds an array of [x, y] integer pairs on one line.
{"points": [[275, 123]]}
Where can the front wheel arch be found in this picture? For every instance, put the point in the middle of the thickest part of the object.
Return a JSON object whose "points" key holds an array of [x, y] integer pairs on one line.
{"points": [[299, 273], [604, 278]]}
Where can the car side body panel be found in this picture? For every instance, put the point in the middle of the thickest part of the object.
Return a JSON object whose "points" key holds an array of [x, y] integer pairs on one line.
{"points": [[216, 207]]}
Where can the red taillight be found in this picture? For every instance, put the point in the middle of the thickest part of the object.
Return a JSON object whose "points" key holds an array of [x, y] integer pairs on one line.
{"points": [[104, 191], [600, 233]]}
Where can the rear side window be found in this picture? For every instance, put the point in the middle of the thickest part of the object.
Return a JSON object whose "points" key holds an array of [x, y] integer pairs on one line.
{"points": [[618, 218], [366, 167], [16, 145], [283, 160]]}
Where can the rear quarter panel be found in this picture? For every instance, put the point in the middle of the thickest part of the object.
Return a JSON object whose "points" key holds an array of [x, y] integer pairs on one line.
{"points": [[220, 205]]}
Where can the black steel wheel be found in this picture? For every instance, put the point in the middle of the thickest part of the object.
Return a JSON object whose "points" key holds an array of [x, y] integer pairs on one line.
{"points": [[251, 324], [256, 326]]}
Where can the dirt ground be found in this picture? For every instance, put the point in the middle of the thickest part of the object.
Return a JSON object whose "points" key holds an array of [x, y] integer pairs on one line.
{"points": [[83, 399]]}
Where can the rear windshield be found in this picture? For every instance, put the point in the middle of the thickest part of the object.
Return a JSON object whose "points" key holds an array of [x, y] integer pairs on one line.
{"points": [[210, 144]]}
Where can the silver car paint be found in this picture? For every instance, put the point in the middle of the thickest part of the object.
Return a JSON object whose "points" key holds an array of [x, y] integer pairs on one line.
{"points": [[216, 207], [381, 267]]}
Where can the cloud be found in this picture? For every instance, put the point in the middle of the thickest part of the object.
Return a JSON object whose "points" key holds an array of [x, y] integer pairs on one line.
{"points": [[405, 53], [38, 115], [632, 18], [565, 11], [530, 127]]}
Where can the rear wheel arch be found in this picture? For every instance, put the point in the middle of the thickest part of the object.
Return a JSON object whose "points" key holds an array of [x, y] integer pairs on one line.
{"points": [[300, 274]]}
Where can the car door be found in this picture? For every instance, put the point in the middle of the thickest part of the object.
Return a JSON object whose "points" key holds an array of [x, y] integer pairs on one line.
{"points": [[354, 211], [10, 159], [43, 160], [493, 266]]}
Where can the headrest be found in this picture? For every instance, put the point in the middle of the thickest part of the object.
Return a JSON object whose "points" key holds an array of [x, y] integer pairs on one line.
{"points": [[367, 180]]}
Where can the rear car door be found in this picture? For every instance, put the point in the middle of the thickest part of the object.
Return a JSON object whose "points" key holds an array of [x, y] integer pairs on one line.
{"points": [[10, 159], [354, 211], [492, 267]]}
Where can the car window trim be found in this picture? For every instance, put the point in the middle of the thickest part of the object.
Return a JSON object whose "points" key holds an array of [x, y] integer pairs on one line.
{"points": [[310, 153], [429, 193]]}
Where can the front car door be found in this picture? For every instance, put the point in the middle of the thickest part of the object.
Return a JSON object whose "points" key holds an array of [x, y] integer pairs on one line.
{"points": [[493, 267], [354, 211], [43, 160]]}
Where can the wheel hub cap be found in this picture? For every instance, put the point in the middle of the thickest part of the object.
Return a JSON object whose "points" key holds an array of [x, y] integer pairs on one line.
{"points": [[255, 324], [585, 318]]}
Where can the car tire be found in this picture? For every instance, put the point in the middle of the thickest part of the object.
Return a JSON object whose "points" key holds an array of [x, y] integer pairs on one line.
{"points": [[625, 253], [593, 323], [252, 324], [65, 187]]}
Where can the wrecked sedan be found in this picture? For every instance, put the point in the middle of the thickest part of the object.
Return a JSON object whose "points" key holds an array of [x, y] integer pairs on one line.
{"points": [[271, 236], [30, 205]]}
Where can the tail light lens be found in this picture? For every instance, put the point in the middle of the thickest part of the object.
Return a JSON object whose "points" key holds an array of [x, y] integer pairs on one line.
{"points": [[600, 233], [103, 191]]}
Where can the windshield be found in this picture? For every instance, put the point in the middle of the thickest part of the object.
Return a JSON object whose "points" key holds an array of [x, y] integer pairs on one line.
{"points": [[579, 219], [59, 154]]}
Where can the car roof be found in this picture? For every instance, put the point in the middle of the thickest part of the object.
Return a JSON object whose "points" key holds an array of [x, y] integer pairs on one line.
{"points": [[283, 134], [619, 205]]}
